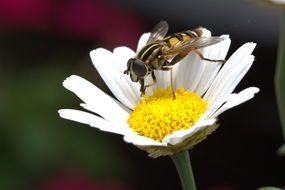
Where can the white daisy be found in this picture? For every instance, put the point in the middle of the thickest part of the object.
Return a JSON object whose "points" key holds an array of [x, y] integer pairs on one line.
{"points": [[279, 3], [156, 123], [282, 2]]}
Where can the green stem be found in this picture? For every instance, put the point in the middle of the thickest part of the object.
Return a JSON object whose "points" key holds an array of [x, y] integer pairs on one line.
{"points": [[184, 168], [280, 75]]}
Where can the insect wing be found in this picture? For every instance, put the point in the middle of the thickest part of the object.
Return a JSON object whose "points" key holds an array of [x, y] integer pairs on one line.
{"points": [[184, 47], [201, 42], [158, 32]]}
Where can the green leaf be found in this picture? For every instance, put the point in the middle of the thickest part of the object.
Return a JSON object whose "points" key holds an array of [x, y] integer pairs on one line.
{"points": [[280, 76], [281, 150], [270, 188]]}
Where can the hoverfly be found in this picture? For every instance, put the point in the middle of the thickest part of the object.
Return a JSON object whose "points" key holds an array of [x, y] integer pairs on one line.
{"points": [[161, 53]]}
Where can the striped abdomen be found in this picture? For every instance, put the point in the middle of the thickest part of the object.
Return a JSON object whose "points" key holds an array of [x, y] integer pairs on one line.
{"points": [[188, 35]]}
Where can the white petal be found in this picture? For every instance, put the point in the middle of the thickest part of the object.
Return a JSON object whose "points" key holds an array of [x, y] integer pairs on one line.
{"points": [[188, 72], [278, 2], [239, 98], [104, 61], [216, 52], [123, 54], [142, 141], [228, 84], [228, 102], [249, 91], [91, 95], [163, 79], [89, 119], [206, 32], [143, 40], [108, 115], [181, 135], [231, 73], [215, 106], [239, 76]]}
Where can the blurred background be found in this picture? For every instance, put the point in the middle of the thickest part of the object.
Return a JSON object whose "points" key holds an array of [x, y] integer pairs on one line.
{"points": [[44, 41]]}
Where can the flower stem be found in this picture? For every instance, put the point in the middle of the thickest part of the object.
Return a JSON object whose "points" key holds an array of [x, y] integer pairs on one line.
{"points": [[184, 168], [280, 75]]}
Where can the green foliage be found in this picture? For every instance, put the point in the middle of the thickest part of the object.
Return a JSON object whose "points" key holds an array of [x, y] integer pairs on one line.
{"points": [[270, 188], [36, 143], [280, 76], [281, 150]]}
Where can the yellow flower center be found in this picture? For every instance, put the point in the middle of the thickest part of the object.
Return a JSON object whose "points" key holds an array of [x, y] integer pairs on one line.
{"points": [[159, 115]]}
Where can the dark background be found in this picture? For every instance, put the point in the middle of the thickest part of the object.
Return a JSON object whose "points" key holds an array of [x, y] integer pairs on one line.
{"points": [[44, 41]]}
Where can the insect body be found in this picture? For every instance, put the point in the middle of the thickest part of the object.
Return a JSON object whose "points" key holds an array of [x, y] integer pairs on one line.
{"points": [[161, 53]]}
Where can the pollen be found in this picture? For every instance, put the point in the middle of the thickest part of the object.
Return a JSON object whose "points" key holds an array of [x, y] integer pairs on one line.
{"points": [[159, 115]]}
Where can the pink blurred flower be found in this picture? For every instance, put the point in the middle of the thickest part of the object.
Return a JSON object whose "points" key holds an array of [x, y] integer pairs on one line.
{"points": [[89, 18], [25, 13], [85, 19]]}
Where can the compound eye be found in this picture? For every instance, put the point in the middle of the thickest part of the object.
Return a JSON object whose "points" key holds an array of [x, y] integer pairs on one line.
{"points": [[139, 68]]}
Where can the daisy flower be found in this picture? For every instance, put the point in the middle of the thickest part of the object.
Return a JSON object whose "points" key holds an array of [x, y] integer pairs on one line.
{"points": [[156, 122], [277, 3], [281, 2]]}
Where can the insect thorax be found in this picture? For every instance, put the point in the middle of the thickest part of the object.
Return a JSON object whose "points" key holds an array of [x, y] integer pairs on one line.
{"points": [[150, 55]]}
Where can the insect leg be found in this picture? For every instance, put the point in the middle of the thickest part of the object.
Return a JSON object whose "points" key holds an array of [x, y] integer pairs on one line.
{"points": [[142, 89], [171, 84], [207, 59], [153, 80], [171, 80]]}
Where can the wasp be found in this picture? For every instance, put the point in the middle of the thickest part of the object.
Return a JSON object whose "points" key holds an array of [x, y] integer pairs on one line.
{"points": [[161, 53]]}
